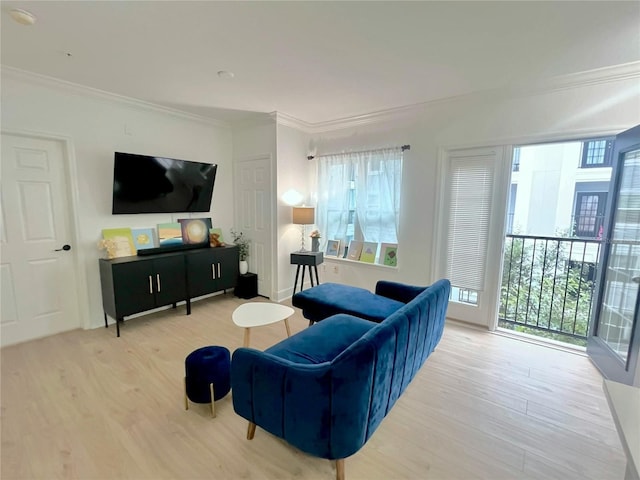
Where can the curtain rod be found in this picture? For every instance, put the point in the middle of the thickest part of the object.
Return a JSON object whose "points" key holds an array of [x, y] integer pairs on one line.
{"points": [[403, 147]]}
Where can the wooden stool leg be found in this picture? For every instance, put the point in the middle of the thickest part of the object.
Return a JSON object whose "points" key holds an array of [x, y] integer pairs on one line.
{"points": [[213, 408], [251, 431], [186, 399], [286, 324], [246, 337], [340, 469]]}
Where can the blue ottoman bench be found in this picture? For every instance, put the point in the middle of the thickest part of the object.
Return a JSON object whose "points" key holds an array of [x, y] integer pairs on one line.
{"points": [[322, 301], [207, 376]]}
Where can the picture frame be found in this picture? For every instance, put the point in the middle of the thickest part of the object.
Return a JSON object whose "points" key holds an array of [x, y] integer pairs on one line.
{"points": [[121, 242], [143, 238], [369, 251], [389, 254], [195, 231], [333, 248], [355, 249], [169, 234]]}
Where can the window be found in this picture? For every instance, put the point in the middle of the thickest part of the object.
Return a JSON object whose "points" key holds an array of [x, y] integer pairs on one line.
{"points": [[596, 153], [589, 214], [359, 195]]}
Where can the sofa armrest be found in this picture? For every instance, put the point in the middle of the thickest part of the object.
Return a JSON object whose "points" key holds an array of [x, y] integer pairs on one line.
{"points": [[398, 291]]}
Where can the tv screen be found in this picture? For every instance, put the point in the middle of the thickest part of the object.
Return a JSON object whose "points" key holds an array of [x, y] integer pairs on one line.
{"points": [[145, 184]]}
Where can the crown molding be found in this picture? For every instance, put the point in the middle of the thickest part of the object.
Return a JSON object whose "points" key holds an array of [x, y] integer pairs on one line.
{"points": [[63, 85], [600, 76]]}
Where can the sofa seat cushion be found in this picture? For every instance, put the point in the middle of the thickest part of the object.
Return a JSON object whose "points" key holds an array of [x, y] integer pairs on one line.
{"points": [[322, 342], [328, 299]]}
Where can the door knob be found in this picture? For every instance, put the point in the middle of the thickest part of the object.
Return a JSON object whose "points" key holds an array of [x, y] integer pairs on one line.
{"points": [[66, 248]]}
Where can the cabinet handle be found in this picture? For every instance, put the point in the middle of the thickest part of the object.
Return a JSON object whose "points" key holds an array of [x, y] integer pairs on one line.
{"points": [[218, 270], [150, 285], [158, 280], [213, 271]]}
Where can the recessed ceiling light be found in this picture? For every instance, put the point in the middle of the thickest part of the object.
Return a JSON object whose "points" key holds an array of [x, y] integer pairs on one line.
{"points": [[22, 16], [225, 74]]}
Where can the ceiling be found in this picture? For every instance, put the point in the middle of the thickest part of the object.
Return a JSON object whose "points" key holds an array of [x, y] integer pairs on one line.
{"points": [[314, 61]]}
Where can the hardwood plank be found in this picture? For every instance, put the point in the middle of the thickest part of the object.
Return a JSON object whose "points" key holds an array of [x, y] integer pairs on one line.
{"points": [[85, 404]]}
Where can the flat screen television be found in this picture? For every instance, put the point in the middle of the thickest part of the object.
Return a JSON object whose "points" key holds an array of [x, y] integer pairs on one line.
{"points": [[145, 184]]}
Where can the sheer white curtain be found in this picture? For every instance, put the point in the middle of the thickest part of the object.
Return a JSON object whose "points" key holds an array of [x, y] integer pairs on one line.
{"points": [[378, 183], [334, 187], [358, 195]]}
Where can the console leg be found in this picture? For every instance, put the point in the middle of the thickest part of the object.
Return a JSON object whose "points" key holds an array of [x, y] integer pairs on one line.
{"points": [[315, 267], [310, 275], [295, 284], [118, 320], [106, 325]]}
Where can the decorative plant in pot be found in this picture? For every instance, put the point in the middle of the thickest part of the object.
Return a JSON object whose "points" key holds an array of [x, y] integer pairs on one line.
{"points": [[243, 249]]}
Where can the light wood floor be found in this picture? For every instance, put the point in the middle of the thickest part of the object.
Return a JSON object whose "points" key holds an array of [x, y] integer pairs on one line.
{"points": [[88, 405]]}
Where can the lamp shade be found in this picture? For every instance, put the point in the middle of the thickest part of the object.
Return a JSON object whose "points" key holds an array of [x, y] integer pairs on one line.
{"points": [[304, 215]]}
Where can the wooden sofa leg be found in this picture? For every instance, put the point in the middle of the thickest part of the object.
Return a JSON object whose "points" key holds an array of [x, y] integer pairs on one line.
{"points": [[251, 431], [340, 469]]}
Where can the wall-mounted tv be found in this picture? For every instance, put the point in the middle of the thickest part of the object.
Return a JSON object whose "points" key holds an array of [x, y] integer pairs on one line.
{"points": [[145, 184]]}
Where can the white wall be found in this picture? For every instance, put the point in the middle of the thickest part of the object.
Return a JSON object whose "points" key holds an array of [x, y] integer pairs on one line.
{"points": [[479, 120], [98, 125], [293, 173]]}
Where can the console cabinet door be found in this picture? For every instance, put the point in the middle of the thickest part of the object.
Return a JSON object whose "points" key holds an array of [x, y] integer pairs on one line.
{"points": [[133, 288], [212, 270], [229, 261], [202, 271], [169, 280]]}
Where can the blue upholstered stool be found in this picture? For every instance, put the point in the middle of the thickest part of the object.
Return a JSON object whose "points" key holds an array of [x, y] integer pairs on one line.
{"points": [[207, 376]]}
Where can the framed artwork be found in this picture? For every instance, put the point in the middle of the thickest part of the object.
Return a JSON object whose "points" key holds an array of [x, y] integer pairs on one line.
{"points": [[215, 237], [169, 234], [194, 231], [389, 254], [369, 250], [143, 238], [121, 242], [333, 247], [355, 249]]}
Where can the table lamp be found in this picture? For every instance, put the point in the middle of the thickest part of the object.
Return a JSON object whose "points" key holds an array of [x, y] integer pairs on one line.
{"points": [[303, 216]]}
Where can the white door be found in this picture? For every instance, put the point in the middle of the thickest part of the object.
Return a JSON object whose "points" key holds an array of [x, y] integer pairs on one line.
{"points": [[472, 200], [253, 216], [37, 283]]}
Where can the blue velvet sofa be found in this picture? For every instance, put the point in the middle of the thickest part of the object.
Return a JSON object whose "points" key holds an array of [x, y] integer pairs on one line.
{"points": [[326, 389]]}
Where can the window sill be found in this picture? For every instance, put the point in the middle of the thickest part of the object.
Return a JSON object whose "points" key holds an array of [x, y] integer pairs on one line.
{"points": [[356, 262]]}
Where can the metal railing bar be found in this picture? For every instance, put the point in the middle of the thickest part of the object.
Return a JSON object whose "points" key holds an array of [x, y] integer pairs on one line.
{"points": [[533, 258], [575, 315], [566, 285]]}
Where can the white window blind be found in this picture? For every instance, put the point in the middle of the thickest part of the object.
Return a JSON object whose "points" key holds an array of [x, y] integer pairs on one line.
{"points": [[470, 194]]}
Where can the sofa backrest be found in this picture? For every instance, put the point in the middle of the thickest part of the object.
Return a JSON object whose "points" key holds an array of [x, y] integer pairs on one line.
{"points": [[391, 354]]}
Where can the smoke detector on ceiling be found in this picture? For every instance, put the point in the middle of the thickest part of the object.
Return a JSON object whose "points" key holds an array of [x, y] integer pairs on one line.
{"points": [[22, 16]]}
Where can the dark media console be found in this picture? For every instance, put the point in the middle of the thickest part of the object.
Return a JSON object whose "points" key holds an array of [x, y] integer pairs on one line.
{"points": [[139, 283]]}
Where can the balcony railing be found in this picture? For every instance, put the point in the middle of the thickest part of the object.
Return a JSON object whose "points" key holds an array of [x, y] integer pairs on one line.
{"points": [[548, 285]]}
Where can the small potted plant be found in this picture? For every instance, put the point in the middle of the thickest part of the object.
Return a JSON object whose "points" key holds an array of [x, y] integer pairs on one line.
{"points": [[243, 249]]}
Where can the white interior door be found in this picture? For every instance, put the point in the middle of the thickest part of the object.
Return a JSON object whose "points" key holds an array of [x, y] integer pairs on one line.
{"points": [[253, 216], [37, 283]]}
